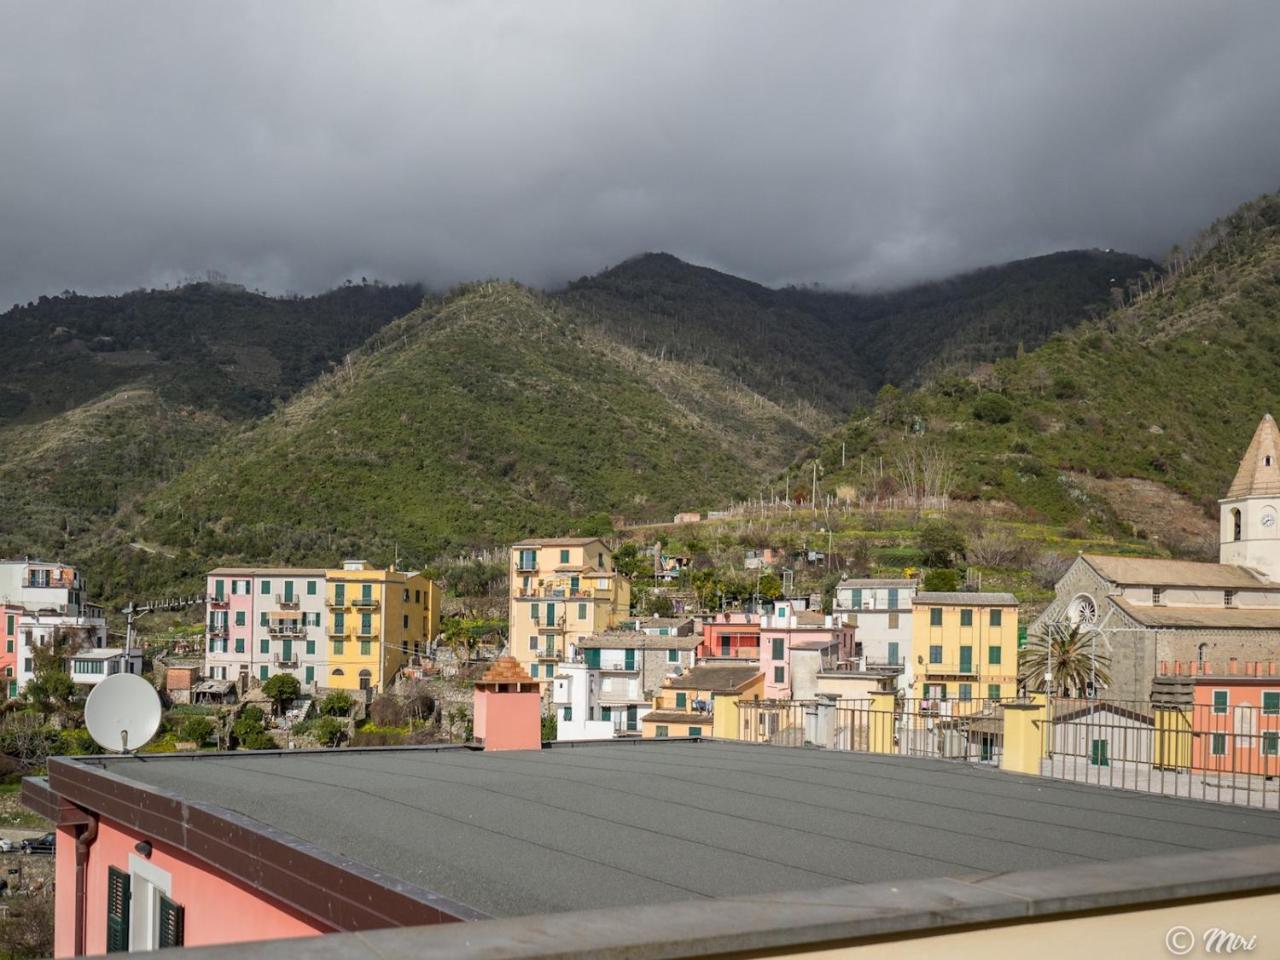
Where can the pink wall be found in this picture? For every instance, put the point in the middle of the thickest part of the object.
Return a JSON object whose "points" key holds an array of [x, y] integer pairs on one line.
{"points": [[217, 909], [1243, 754], [8, 659], [508, 720], [839, 634]]}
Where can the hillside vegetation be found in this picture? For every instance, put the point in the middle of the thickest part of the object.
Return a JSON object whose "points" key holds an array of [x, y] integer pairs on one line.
{"points": [[1167, 389], [832, 349], [487, 414]]}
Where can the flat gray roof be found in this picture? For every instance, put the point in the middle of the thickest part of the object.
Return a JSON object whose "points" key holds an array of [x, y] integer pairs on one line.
{"points": [[647, 822]]}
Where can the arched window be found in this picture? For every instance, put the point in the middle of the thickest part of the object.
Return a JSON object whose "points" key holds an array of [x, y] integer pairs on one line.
{"points": [[1266, 461], [1235, 523], [337, 672], [1200, 651], [366, 678]]}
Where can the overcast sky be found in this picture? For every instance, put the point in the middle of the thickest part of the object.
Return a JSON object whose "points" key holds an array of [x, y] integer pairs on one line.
{"points": [[291, 145]]}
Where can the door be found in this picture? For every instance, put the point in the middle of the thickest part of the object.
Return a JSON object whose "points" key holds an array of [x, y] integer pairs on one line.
{"points": [[287, 652], [985, 747], [630, 659], [288, 591], [631, 718], [724, 646], [893, 651], [966, 659]]}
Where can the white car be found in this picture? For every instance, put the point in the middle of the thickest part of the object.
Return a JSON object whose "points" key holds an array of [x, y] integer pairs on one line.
{"points": [[7, 846]]}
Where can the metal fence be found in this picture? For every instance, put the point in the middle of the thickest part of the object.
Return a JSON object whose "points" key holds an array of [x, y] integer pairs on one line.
{"points": [[1226, 754]]}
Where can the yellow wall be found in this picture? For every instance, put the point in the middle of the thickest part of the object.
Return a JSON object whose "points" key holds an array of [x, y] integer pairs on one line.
{"points": [[981, 637], [724, 721], [396, 626], [602, 599]]}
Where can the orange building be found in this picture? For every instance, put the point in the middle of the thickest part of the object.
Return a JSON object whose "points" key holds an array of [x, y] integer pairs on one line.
{"points": [[1235, 720]]}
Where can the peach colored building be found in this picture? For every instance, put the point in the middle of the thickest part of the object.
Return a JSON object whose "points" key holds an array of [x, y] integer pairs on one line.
{"points": [[507, 714], [731, 633], [1235, 717]]}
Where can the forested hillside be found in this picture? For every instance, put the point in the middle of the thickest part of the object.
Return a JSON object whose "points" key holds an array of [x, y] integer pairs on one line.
{"points": [[1167, 389], [834, 349]]}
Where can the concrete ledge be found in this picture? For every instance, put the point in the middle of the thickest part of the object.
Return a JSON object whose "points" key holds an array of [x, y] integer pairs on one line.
{"points": [[805, 920]]}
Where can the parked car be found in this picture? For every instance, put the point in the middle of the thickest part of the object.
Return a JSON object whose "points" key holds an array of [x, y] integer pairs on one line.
{"points": [[42, 845], [7, 846]]}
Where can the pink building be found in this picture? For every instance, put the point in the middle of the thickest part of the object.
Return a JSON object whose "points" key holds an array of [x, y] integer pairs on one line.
{"points": [[10, 614], [731, 634], [507, 713], [794, 647]]}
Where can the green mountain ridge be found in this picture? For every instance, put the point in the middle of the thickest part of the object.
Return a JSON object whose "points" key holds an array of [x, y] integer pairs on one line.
{"points": [[1167, 389]]}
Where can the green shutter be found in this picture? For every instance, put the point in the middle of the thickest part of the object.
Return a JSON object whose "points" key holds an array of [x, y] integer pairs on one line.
{"points": [[681, 700], [311, 588], [262, 619], [366, 648], [661, 731], [171, 921], [996, 617], [266, 587], [893, 651], [311, 648], [1271, 702], [1220, 698], [262, 672], [778, 651], [310, 674], [1098, 754], [264, 645], [117, 911], [935, 616], [966, 618], [935, 653], [695, 731], [993, 691], [993, 655], [673, 656], [592, 657]]}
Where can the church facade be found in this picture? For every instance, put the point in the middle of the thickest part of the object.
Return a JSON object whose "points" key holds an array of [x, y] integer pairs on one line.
{"points": [[1147, 611]]}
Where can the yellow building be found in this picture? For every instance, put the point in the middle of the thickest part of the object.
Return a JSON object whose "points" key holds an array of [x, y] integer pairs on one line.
{"points": [[561, 589], [377, 620], [703, 702], [964, 646]]}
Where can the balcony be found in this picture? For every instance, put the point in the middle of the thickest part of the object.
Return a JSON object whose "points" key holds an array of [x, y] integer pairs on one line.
{"points": [[219, 603], [365, 603], [216, 633], [288, 603], [290, 664], [286, 629], [337, 603], [952, 669]]}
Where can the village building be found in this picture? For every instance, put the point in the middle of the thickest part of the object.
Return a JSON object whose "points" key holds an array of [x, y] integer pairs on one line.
{"points": [[1143, 611], [730, 634], [796, 646], [965, 646], [881, 611], [703, 702]]}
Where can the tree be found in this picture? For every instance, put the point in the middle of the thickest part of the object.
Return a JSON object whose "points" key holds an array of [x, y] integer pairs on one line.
{"points": [[941, 544], [770, 587], [993, 408], [281, 688], [51, 690], [1069, 652], [328, 731], [549, 726]]}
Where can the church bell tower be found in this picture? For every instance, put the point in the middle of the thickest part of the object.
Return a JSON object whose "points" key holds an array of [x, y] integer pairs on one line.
{"points": [[1249, 525]]}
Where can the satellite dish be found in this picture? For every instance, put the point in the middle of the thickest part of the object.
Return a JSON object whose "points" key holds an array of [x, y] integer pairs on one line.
{"points": [[122, 713]]}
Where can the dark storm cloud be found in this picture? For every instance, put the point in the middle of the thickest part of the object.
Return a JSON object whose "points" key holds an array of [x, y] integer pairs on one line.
{"points": [[292, 145]]}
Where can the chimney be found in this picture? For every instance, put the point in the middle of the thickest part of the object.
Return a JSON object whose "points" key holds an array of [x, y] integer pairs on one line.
{"points": [[508, 708]]}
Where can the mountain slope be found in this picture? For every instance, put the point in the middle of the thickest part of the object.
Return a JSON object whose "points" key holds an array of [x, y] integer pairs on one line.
{"points": [[1167, 389], [216, 347], [833, 349], [483, 416]]}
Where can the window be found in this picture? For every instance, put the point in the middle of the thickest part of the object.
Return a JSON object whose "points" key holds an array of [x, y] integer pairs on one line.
{"points": [[1228, 598], [1157, 596], [533, 643], [533, 670], [856, 600], [8, 645], [778, 651], [1218, 747], [1271, 743], [779, 674], [573, 585], [1220, 701], [239, 644], [240, 618], [660, 731], [366, 593], [1270, 703], [993, 691], [551, 614], [27, 662], [673, 656], [266, 587], [311, 588], [568, 714], [1235, 524], [336, 672], [682, 701], [564, 556], [311, 648], [89, 666], [340, 594], [993, 655], [966, 618], [117, 911], [218, 588], [366, 647], [935, 653], [695, 731], [264, 645], [337, 648], [966, 691], [262, 672], [406, 595], [606, 713], [8, 622], [339, 622], [935, 616], [406, 621], [997, 617], [1098, 754], [893, 621], [262, 620], [309, 675], [893, 651], [893, 598], [366, 624]]}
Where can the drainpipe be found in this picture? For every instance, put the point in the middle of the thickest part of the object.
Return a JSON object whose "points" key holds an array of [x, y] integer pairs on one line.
{"points": [[83, 842]]}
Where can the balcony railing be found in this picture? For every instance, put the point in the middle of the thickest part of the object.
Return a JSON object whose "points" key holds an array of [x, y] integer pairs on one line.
{"points": [[285, 629], [290, 663], [216, 633], [288, 603], [365, 603], [959, 669]]}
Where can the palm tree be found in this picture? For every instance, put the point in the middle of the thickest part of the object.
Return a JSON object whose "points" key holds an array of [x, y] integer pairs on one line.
{"points": [[1067, 651]]}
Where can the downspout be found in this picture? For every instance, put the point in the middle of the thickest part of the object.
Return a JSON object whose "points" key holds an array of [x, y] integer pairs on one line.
{"points": [[83, 842]]}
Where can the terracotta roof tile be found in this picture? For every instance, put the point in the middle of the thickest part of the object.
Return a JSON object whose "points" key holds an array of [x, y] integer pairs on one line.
{"points": [[506, 670]]}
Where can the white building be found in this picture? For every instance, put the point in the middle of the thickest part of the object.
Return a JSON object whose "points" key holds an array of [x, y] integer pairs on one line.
{"points": [[88, 634], [881, 609], [575, 694], [39, 585], [92, 666]]}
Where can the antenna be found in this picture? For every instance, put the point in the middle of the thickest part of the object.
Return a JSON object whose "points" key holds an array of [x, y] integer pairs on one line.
{"points": [[122, 713]]}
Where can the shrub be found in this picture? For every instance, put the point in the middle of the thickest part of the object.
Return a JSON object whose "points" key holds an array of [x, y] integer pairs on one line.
{"points": [[945, 580], [196, 729], [336, 704], [993, 408], [941, 544], [328, 730], [386, 710], [282, 688]]}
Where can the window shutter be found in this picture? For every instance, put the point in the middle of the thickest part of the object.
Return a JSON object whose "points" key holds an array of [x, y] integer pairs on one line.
{"points": [[171, 921], [117, 911]]}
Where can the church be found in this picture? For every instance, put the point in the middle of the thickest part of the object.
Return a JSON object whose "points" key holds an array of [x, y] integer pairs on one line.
{"points": [[1149, 611]]}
